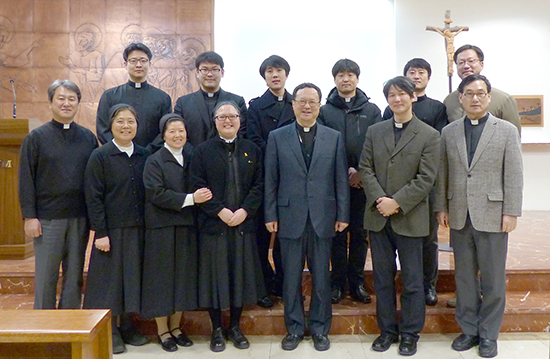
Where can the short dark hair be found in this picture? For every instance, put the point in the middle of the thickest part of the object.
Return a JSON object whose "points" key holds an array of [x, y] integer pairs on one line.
{"points": [[168, 119], [68, 84], [462, 48], [345, 65], [115, 110], [136, 46], [469, 79], [209, 56], [223, 103], [304, 86], [400, 82], [275, 61], [417, 63]]}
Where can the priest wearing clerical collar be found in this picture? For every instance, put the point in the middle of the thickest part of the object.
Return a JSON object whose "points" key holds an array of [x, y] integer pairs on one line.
{"points": [[197, 108], [306, 202], [149, 102], [398, 168], [479, 195]]}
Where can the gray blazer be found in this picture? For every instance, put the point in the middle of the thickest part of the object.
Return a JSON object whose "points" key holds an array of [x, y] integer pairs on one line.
{"points": [[488, 188], [292, 191], [405, 172]]}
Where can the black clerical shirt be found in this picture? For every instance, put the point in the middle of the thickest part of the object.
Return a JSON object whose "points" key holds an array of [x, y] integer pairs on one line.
{"points": [[307, 140], [473, 134]]}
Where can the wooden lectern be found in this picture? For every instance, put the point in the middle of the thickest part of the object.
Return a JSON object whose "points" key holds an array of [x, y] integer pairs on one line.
{"points": [[13, 244]]}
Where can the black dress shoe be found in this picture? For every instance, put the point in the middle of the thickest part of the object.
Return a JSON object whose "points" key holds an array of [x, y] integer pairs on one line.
{"points": [[118, 343], [321, 342], [337, 295], [235, 335], [182, 340], [465, 342], [487, 348], [217, 341], [291, 341], [266, 302], [383, 342], [360, 294], [132, 337], [407, 346], [431, 296], [168, 344]]}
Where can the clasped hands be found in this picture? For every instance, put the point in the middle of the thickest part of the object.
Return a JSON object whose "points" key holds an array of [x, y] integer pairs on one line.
{"points": [[231, 218], [387, 206]]}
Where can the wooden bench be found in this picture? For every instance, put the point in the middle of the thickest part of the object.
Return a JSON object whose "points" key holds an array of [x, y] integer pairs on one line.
{"points": [[78, 334]]}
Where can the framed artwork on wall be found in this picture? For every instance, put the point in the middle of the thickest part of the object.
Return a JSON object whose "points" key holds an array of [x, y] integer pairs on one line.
{"points": [[530, 109]]}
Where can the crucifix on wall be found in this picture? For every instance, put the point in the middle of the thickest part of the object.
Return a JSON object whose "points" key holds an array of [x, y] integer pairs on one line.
{"points": [[449, 34]]}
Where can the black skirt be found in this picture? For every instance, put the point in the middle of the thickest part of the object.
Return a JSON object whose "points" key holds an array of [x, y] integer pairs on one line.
{"points": [[169, 271], [229, 270], [114, 277]]}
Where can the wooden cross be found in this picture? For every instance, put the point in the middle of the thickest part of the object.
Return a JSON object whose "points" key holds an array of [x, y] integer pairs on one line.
{"points": [[449, 34]]}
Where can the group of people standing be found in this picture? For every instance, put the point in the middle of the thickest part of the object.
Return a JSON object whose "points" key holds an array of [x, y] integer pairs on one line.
{"points": [[184, 205]]}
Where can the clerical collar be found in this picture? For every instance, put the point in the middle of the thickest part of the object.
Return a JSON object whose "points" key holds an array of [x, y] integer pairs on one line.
{"points": [[129, 150], [137, 85], [400, 125], [65, 126], [228, 141], [306, 129], [210, 94], [478, 121]]}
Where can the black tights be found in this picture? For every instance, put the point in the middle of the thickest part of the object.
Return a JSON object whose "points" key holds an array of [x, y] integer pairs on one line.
{"points": [[216, 316]]}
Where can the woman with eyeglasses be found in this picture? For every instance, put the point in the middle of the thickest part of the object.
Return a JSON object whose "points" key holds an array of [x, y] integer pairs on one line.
{"points": [[229, 270], [114, 197]]}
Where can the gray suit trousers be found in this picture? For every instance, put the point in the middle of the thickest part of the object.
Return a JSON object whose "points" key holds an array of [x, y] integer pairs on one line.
{"points": [[63, 242], [480, 299]]}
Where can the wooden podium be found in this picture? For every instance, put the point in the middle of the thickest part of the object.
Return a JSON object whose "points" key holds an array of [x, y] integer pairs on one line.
{"points": [[13, 244]]}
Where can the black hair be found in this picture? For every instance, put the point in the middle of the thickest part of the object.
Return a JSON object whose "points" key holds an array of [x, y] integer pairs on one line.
{"points": [[304, 86], [402, 83], [115, 110], [469, 79], [275, 61], [209, 56], [463, 48], [68, 84], [417, 63], [136, 46], [345, 65]]}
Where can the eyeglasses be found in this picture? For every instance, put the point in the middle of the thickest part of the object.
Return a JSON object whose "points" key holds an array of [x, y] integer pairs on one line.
{"points": [[142, 61], [222, 118], [207, 71], [302, 103], [479, 95], [470, 62]]}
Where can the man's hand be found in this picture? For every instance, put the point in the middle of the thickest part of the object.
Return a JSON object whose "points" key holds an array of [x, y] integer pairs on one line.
{"points": [[340, 226], [509, 223], [272, 226], [443, 219], [354, 178], [202, 195], [32, 227], [225, 215], [103, 244], [387, 206], [238, 217]]}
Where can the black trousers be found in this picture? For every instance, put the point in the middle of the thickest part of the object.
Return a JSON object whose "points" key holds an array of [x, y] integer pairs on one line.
{"points": [[349, 268], [294, 253], [384, 245], [430, 248]]}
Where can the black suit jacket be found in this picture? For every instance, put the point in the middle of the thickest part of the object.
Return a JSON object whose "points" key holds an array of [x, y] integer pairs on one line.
{"points": [[200, 124]]}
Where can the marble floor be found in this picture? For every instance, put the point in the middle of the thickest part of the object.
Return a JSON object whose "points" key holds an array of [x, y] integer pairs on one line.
{"points": [[436, 346]]}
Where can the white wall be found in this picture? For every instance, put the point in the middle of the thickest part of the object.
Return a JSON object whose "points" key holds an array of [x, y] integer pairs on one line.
{"points": [[385, 34], [311, 36]]}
